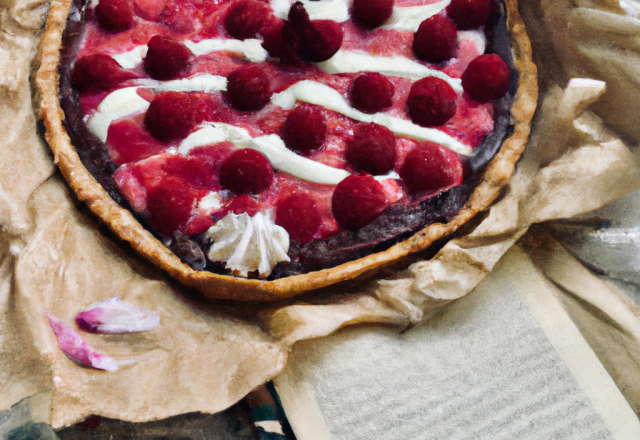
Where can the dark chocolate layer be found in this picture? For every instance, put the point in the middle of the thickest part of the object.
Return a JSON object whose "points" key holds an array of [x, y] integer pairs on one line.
{"points": [[400, 221]]}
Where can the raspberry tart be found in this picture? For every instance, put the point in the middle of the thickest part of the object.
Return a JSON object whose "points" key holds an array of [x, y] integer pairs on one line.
{"points": [[258, 149]]}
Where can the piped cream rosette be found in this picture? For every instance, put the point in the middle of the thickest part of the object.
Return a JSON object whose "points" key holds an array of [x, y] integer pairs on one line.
{"points": [[249, 244]]}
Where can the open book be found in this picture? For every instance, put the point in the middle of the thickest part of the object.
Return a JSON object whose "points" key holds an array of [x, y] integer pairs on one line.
{"points": [[505, 362]]}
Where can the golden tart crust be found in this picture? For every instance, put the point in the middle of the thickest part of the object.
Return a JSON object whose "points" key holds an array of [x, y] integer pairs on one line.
{"points": [[212, 285]]}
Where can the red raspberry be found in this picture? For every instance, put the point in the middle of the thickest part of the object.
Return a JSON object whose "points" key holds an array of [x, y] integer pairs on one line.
{"points": [[372, 149], [299, 18], [323, 42], [115, 15], [372, 13], [246, 172], [431, 102], [99, 72], [300, 216], [166, 58], [246, 18], [431, 167], [304, 130], [248, 88], [179, 16], [435, 40], [170, 204], [281, 41], [486, 78], [319, 39], [470, 14], [173, 115], [372, 92], [357, 201]]}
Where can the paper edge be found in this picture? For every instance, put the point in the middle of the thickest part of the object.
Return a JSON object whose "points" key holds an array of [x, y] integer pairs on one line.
{"points": [[576, 353], [301, 407]]}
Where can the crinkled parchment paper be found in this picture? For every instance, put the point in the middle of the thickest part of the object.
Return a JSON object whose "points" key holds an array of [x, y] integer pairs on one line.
{"points": [[206, 356]]}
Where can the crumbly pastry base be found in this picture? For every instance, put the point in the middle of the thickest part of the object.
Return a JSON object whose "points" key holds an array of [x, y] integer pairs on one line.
{"points": [[211, 285]]}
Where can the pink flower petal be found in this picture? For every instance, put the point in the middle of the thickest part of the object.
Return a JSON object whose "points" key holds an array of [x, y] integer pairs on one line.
{"points": [[77, 349], [116, 316]]}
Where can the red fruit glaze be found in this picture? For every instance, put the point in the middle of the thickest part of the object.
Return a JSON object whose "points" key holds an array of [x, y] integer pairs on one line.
{"points": [[371, 13], [431, 102], [372, 149], [319, 39], [469, 14], [304, 130], [486, 78], [246, 18], [99, 72], [148, 9], [198, 224], [248, 88], [246, 172], [115, 15], [170, 204], [173, 115], [281, 41], [372, 92], [357, 201], [300, 216], [435, 40], [240, 204], [128, 141], [166, 58], [431, 167]]}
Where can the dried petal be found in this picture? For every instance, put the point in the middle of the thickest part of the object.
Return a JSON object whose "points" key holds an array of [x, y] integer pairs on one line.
{"points": [[77, 349], [116, 316]]}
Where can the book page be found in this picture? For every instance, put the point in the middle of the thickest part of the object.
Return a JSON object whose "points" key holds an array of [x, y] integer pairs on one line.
{"points": [[504, 362]]}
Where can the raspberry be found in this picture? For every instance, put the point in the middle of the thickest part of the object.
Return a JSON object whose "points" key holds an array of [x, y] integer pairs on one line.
{"points": [[372, 13], [170, 204], [357, 201], [299, 18], [99, 72], [469, 14], [248, 88], [372, 92], [319, 39], [431, 102], [372, 149], [246, 172], [246, 18], [431, 167], [323, 43], [435, 40], [486, 78], [173, 115], [179, 16], [166, 58], [115, 15], [300, 216], [281, 41], [304, 130]]}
